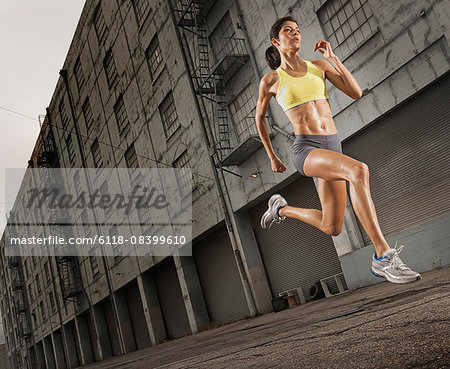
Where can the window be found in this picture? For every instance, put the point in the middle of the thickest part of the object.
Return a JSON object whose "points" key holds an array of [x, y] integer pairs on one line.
{"points": [[99, 23], [223, 40], [242, 112], [118, 249], [131, 157], [169, 115], [78, 72], [104, 191], [110, 69], [154, 58], [121, 114], [94, 264], [85, 222], [184, 179], [87, 113], [76, 182], [70, 148], [41, 304], [346, 24], [27, 272], [38, 284], [97, 154], [63, 114], [141, 8], [30, 290], [46, 270], [34, 321], [52, 301]]}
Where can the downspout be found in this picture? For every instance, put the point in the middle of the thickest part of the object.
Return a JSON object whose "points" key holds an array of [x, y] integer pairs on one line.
{"points": [[242, 272]]}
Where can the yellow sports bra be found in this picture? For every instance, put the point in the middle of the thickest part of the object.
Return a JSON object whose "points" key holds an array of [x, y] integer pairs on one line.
{"points": [[293, 91]]}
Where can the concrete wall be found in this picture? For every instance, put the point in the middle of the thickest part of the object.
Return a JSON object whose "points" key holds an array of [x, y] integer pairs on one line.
{"points": [[409, 51]]}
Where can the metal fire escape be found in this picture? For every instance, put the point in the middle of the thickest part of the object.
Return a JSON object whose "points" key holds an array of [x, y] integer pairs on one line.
{"points": [[210, 71], [68, 268], [20, 304]]}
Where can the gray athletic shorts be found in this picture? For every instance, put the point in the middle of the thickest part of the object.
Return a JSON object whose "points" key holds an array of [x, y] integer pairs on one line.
{"points": [[304, 144]]}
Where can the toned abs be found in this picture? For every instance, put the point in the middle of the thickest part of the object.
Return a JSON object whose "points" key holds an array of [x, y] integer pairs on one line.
{"points": [[311, 118]]}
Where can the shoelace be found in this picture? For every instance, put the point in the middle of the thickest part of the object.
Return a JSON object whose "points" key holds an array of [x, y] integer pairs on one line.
{"points": [[395, 259]]}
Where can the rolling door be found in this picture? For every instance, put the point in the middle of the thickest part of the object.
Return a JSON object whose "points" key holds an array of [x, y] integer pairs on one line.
{"points": [[408, 154], [219, 277], [171, 300], [295, 254]]}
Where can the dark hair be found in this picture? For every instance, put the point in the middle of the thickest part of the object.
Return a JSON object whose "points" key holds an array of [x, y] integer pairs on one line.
{"points": [[273, 57]]}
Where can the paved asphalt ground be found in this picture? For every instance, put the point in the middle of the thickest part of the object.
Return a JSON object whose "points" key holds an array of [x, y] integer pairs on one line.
{"points": [[381, 326]]}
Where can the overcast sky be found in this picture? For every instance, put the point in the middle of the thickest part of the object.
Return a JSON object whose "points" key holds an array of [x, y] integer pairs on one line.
{"points": [[35, 36]]}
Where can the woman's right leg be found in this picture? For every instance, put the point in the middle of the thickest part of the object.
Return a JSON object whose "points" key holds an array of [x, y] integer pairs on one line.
{"points": [[333, 166]]}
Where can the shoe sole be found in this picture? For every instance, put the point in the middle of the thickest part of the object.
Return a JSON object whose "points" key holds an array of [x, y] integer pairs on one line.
{"points": [[393, 280], [267, 214]]}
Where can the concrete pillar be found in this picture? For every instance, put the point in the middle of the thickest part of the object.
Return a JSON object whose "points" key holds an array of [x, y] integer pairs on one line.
{"points": [[48, 353], [253, 263], [101, 328], [82, 334], [350, 239], [152, 309], [58, 349], [125, 326], [69, 337], [192, 292]]}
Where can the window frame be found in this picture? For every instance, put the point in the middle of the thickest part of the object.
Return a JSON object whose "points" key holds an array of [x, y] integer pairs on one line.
{"points": [[343, 48], [98, 20], [163, 108], [109, 64], [120, 111], [78, 73], [87, 114], [152, 48], [96, 152]]}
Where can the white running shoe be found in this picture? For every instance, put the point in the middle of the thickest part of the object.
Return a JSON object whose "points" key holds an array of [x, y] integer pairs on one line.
{"points": [[272, 215], [391, 267]]}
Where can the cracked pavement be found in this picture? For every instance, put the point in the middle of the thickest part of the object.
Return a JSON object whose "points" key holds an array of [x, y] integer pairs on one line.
{"points": [[381, 326]]}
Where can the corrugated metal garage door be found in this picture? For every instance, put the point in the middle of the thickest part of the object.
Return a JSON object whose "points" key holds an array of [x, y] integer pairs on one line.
{"points": [[408, 154], [219, 277], [295, 254], [171, 300]]}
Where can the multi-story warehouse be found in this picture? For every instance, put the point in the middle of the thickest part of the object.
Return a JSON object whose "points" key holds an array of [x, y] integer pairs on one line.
{"points": [[174, 84]]}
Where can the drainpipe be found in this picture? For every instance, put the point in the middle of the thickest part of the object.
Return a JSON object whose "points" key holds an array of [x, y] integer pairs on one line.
{"points": [[63, 74], [241, 268]]}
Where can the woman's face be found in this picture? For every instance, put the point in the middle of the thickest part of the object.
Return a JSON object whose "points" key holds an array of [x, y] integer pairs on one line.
{"points": [[289, 37]]}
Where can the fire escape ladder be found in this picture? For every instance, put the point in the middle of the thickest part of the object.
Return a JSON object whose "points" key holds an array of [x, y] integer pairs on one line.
{"points": [[70, 280]]}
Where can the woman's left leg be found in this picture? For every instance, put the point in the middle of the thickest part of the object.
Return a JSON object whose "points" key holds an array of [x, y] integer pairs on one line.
{"points": [[333, 198]]}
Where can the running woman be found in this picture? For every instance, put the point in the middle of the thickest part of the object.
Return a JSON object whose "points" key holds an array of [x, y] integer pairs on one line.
{"points": [[299, 87]]}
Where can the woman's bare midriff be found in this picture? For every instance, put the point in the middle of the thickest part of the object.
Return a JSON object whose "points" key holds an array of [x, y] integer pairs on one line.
{"points": [[312, 118]]}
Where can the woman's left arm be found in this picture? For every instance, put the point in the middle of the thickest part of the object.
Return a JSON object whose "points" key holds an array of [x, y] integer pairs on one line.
{"points": [[339, 75]]}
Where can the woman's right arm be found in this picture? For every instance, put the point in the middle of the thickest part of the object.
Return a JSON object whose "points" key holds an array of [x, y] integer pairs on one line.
{"points": [[261, 109]]}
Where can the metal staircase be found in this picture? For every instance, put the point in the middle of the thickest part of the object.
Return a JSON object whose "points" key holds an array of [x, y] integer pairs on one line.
{"points": [[68, 269], [209, 87], [20, 304], [211, 65]]}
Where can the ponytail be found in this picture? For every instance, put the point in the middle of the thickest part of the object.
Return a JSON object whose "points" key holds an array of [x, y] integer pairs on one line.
{"points": [[273, 57]]}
